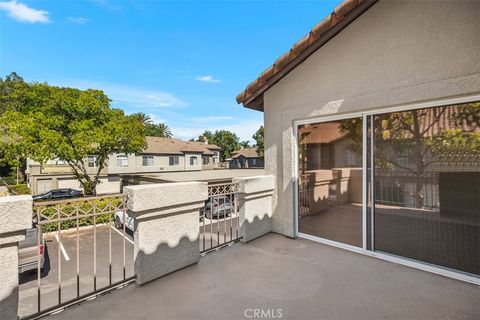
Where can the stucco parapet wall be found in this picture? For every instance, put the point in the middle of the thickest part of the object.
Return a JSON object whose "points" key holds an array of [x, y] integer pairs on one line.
{"points": [[166, 226], [255, 184], [15, 217], [165, 196], [255, 205]]}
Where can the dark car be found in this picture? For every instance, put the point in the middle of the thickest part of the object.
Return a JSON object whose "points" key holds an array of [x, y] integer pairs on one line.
{"points": [[57, 194], [216, 208]]}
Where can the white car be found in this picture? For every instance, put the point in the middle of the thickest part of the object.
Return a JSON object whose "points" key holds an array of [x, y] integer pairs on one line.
{"points": [[119, 221]]}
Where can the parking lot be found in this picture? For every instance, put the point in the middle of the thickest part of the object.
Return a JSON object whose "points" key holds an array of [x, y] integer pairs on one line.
{"points": [[66, 250], [213, 232]]}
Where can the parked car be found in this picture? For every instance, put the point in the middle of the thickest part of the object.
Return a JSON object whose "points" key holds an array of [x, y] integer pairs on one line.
{"points": [[57, 194], [217, 207], [119, 221], [28, 251]]}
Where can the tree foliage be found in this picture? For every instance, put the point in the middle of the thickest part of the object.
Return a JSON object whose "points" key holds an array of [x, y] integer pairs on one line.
{"points": [[423, 137], [158, 130], [244, 144], [44, 122], [226, 140], [259, 141], [152, 129]]}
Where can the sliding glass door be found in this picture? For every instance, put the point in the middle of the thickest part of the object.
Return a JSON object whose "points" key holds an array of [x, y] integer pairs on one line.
{"points": [[426, 182], [330, 186], [422, 184]]}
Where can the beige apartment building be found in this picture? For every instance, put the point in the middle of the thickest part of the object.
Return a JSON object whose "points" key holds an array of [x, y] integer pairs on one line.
{"points": [[160, 155]]}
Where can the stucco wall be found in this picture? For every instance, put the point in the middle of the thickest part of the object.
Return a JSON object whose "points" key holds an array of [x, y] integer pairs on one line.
{"points": [[396, 53], [160, 164]]}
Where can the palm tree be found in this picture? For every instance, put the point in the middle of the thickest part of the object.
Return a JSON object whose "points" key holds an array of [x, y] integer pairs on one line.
{"points": [[143, 117], [164, 130], [244, 144]]}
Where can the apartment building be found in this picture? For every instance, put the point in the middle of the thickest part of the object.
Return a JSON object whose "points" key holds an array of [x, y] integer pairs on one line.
{"points": [[160, 155]]}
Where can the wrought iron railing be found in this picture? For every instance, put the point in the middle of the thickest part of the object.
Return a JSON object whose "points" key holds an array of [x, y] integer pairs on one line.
{"points": [[219, 217], [84, 226], [399, 188]]}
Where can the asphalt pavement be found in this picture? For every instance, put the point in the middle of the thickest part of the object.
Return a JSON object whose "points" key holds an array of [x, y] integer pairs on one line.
{"points": [[61, 253], [65, 247]]}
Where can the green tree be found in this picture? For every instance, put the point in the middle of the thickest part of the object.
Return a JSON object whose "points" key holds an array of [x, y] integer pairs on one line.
{"points": [[8, 101], [226, 140], [206, 135], [158, 130], [423, 137], [144, 118], [244, 144], [259, 141], [44, 122], [152, 129]]}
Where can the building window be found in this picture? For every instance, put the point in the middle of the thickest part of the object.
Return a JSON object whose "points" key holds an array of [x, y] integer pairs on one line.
{"points": [[147, 161], [254, 162], [205, 160], [173, 161], [122, 160], [91, 160], [193, 161]]}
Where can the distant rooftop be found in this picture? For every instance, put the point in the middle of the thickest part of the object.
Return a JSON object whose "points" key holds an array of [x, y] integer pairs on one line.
{"points": [[246, 152], [158, 145]]}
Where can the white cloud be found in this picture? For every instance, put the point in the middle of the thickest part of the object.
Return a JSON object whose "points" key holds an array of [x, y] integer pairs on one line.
{"points": [[244, 130], [128, 97], [77, 20], [210, 79], [24, 13]]}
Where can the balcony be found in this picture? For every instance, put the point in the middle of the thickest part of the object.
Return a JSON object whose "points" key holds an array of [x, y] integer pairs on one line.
{"points": [[222, 264], [301, 278]]}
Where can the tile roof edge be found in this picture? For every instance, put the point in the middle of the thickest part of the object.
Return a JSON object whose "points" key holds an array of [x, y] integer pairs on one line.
{"points": [[258, 86]]}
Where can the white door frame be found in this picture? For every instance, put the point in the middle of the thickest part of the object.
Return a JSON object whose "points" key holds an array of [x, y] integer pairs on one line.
{"points": [[381, 255]]}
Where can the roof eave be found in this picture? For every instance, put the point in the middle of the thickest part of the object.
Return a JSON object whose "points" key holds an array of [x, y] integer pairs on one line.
{"points": [[254, 100]]}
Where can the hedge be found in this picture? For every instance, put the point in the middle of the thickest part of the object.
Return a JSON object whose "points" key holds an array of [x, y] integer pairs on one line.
{"points": [[20, 189]]}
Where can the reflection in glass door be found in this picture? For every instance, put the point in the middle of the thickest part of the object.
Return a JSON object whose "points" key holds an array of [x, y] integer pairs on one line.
{"points": [[422, 184], [330, 180], [427, 185]]}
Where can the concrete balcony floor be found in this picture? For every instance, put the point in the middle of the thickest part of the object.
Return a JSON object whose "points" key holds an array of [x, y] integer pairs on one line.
{"points": [[305, 279]]}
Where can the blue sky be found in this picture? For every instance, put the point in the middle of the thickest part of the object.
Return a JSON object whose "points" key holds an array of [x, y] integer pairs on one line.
{"points": [[181, 62]]}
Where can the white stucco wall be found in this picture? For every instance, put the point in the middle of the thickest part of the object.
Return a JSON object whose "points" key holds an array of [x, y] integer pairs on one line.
{"points": [[396, 53]]}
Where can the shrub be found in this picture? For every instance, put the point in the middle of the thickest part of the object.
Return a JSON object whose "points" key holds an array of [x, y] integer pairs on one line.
{"points": [[68, 210], [20, 189], [10, 180]]}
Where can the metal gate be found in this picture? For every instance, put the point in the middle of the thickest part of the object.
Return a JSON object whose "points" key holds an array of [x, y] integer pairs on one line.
{"points": [[219, 217], [81, 251]]}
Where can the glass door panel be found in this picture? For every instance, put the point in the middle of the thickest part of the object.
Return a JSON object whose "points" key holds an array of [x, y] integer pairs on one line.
{"points": [[426, 185], [330, 180]]}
